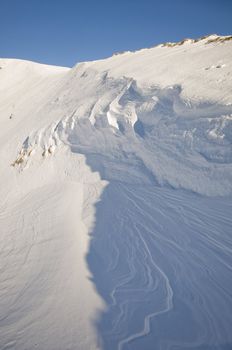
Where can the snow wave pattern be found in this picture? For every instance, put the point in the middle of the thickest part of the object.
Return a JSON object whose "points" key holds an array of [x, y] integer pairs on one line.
{"points": [[171, 140], [161, 259]]}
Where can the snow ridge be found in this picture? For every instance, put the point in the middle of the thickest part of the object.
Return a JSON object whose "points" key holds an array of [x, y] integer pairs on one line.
{"points": [[190, 140]]}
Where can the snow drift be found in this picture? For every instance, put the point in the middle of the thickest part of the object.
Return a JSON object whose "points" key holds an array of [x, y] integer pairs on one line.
{"points": [[116, 200]]}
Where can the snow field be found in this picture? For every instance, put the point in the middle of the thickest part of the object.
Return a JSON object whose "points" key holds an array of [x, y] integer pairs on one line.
{"points": [[115, 204]]}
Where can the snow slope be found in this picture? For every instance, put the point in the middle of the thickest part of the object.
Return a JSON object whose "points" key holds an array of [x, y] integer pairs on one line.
{"points": [[115, 197]]}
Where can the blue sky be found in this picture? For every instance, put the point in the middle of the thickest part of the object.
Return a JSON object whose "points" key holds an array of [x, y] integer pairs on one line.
{"points": [[63, 32]]}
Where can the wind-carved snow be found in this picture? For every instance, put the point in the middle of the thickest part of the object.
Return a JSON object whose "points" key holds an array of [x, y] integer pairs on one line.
{"points": [[176, 142], [117, 205]]}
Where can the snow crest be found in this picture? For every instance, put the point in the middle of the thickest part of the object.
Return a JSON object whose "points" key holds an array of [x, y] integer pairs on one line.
{"points": [[174, 141]]}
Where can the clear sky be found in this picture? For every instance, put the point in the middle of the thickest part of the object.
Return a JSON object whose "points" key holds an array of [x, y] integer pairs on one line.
{"points": [[63, 32]]}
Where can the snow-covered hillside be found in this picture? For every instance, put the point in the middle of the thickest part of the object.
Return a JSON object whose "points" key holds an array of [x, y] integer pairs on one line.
{"points": [[115, 201]]}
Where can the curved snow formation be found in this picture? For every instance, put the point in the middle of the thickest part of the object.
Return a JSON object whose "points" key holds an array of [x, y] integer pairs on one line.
{"points": [[116, 201]]}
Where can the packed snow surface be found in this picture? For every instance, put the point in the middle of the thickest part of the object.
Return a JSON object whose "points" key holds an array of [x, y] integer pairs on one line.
{"points": [[116, 201]]}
